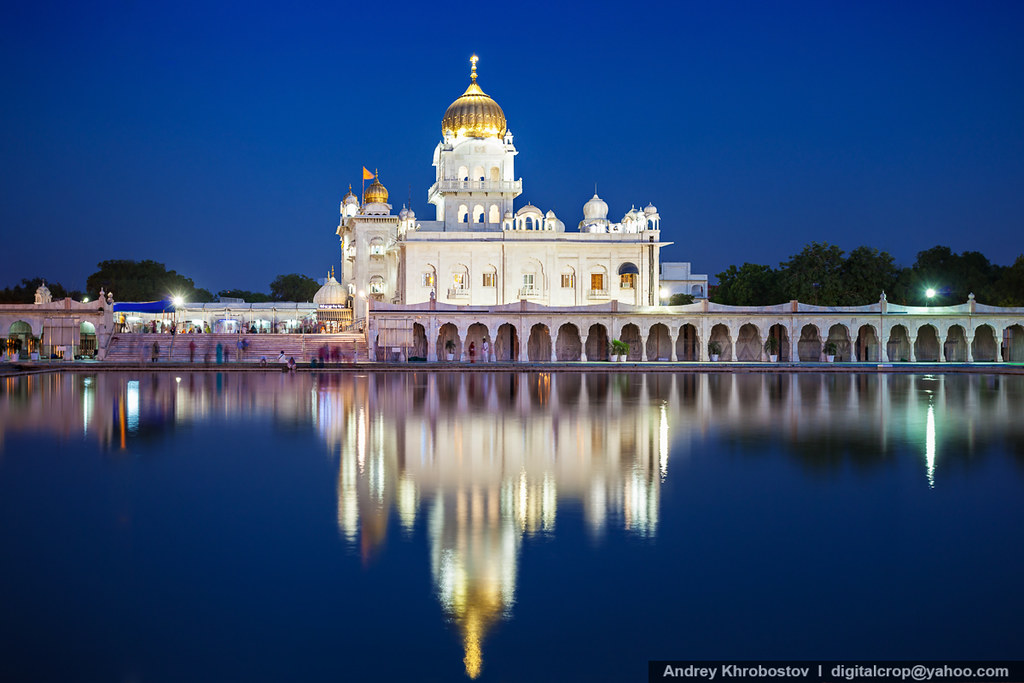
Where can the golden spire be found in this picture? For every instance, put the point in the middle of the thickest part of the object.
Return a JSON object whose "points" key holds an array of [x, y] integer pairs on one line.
{"points": [[475, 114]]}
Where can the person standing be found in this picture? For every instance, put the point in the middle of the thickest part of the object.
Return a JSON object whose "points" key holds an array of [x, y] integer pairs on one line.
{"points": [[156, 352], [191, 350], [486, 349], [472, 352]]}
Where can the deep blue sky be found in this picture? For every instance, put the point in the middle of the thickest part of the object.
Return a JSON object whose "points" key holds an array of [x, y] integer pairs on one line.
{"points": [[220, 138]]}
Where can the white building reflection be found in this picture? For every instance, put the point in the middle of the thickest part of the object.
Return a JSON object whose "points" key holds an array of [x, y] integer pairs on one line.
{"points": [[483, 462]]}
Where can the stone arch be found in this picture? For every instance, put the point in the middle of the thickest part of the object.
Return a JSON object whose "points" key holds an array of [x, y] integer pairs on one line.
{"points": [[495, 174], [538, 346], [926, 346], [954, 349], [697, 291], [748, 343], [478, 173], [478, 213], [463, 214], [631, 335], [528, 223], [597, 342], [419, 342], [568, 345], [506, 344], [475, 335], [463, 172], [449, 332], [720, 334], [809, 347], [985, 348], [839, 334], [898, 346], [687, 343], [779, 332], [867, 344], [1013, 344], [458, 276], [494, 214], [659, 343]]}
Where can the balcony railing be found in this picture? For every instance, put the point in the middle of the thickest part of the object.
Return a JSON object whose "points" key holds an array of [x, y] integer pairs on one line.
{"points": [[597, 294], [458, 293], [530, 293], [451, 185]]}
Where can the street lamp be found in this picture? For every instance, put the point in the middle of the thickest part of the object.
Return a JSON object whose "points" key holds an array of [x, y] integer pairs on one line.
{"points": [[930, 293]]}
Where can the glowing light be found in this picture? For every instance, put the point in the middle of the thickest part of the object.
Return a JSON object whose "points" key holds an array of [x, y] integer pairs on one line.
{"points": [[929, 447], [177, 301], [664, 293], [85, 299], [930, 293]]}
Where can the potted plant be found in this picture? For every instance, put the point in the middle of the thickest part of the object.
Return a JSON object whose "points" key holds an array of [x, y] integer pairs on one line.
{"points": [[830, 351], [771, 345], [449, 347], [620, 350], [714, 350], [33, 348]]}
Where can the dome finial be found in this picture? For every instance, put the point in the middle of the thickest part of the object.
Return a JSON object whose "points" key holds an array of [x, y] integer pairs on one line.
{"points": [[473, 60]]}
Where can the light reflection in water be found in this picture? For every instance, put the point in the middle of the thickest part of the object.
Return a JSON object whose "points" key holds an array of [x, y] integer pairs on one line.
{"points": [[489, 461]]}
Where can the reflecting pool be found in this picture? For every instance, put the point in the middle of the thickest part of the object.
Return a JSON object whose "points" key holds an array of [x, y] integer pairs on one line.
{"points": [[502, 527]]}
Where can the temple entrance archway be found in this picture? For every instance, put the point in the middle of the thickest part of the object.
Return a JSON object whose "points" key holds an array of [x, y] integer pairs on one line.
{"points": [[985, 348], [1013, 344], [839, 335], [568, 346], [419, 342], [631, 335], [720, 335], [867, 344], [687, 344], [597, 343], [449, 333], [748, 343], [506, 345], [954, 349], [809, 346], [780, 334], [898, 346], [538, 347], [926, 346], [659, 343]]}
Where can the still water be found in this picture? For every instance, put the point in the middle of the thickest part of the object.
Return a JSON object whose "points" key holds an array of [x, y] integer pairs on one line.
{"points": [[503, 527]]}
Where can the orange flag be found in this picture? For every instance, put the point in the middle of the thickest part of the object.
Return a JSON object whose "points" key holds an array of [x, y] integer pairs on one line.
{"points": [[366, 174]]}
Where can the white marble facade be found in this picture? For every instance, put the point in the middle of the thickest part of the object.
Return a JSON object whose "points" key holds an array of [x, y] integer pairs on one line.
{"points": [[478, 251]]}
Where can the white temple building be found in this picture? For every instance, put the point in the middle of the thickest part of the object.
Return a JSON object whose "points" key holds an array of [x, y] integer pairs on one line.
{"points": [[477, 251]]}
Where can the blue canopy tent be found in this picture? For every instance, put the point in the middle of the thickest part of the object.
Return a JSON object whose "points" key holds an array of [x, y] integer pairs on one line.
{"points": [[143, 307]]}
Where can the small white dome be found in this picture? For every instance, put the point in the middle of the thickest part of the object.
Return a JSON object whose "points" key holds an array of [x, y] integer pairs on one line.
{"points": [[331, 293], [595, 209], [650, 209], [529, 210], [403, 214], [508, 215], [411, 215]]}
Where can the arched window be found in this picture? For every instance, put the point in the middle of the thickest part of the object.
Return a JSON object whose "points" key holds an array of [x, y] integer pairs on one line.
{"points": [[478, 173], [463, 213], [627, 275], [495, 174], [494, 216], [463, 173], [529, 223], [478, 214]]}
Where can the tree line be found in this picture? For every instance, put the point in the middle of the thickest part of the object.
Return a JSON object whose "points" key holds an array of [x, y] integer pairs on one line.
{"points": [[151, 281], [823, 274]]}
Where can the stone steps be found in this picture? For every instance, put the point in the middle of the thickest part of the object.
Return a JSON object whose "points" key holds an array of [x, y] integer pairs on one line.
{"points": [[134, 348]]}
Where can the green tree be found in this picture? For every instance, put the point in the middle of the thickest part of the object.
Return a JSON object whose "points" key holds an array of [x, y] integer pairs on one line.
{"points": [[952, 276], [815, 275], [25, 293], [142, 281], [245, 295], [293, 287], [680, 299], [1009, 289], [749, 285], [867, 273]]}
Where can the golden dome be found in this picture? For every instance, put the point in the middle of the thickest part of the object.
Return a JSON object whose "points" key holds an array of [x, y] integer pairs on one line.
{"points": [[376, 193], [475, 114]]}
